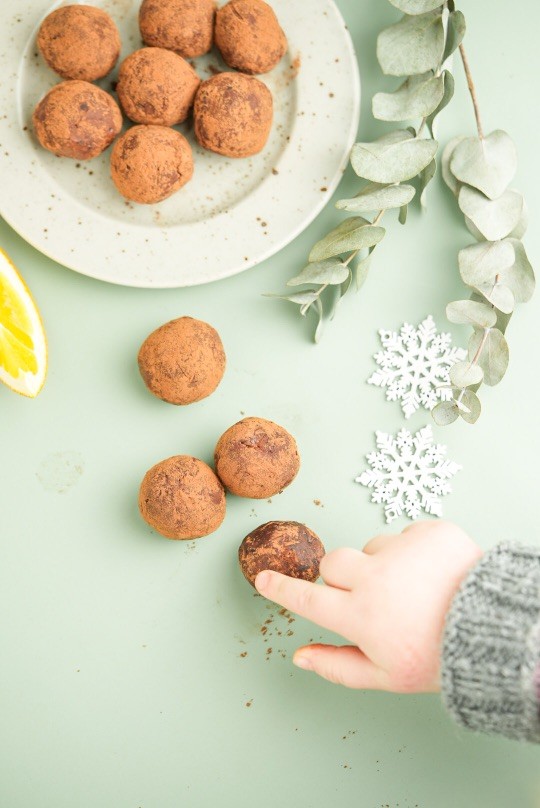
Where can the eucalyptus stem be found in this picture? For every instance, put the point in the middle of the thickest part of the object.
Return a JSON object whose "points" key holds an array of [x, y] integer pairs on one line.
{"points": [[472, 90]]}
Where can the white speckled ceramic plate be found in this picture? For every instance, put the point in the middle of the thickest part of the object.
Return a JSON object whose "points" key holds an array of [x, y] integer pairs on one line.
{"points": [[234, 213]]}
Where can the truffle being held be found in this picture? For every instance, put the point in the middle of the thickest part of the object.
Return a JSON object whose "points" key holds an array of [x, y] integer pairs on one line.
{"points": [[79, 42], [256, 458], [156, 86], [182, 498], [182, 361], [149, 163], [233, 114], [287, 547], [184, 26], [77, 119], [249, 36]]}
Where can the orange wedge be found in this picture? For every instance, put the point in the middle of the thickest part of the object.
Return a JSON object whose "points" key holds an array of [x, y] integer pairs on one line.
{"points": [[23, 347]]}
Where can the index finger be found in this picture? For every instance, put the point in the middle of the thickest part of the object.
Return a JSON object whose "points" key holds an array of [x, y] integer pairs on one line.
{"points": [[328, 607]]}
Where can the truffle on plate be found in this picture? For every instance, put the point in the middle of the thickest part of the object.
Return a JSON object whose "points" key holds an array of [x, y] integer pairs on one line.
{"points": [[79, 42], [184, 26], [156, 86], [249, 36], [256, 458], [149, 163], [182, 498], [287, 547], [182, 361], [77, 119], [233, 114]]}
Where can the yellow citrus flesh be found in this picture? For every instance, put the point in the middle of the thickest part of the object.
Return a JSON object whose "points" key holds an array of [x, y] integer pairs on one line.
{"points": [[23, 347]]}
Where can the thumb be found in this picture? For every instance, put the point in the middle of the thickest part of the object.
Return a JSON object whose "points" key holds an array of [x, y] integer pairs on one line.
{"points": [[343, 665]]}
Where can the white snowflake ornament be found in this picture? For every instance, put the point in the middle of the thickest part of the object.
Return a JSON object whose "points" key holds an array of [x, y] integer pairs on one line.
{"points": [[409, 473], [414, 365]]}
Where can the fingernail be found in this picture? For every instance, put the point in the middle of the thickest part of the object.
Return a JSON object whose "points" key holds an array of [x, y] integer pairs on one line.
{"points": [[262, 580], [303, 662]]}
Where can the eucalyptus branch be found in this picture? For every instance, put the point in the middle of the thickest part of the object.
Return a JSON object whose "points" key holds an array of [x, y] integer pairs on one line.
{"points": [[415, 49], [496, 268]]}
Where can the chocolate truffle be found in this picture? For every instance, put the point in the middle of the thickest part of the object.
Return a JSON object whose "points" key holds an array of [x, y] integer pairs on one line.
{"points": [[149, 163], [249, 36], [233, 114], [182, 361], [79, 42], [77, 119], [182, 498], [286, 547], [156, 86], [184, 26], [256, 458]]}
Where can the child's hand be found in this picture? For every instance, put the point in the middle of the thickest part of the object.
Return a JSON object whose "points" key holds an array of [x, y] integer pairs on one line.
{"points": [[390, 601]]}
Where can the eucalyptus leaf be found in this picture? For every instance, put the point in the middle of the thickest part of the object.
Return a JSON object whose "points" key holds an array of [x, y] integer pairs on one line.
{"points": [[320, 324], [416, 6], [521, 228], [446, 157], [389, 162], [488, 165], [499, 295], [417, 97], [469, 406], [520, 276], [445, 413], [465, 374], [338, 292], [494, 218], [330, 272], [480, 263], [473, 230], [471, 312], [304, 298], [362, 269], [382, 198], [456, 29], [448, 93], [502, 319], [425, 177], [412, 46], [355, 233], [396, 136], [494, 356]]}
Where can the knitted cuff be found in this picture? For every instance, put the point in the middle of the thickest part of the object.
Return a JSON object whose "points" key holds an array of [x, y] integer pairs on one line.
{"points": [[491, 645]]}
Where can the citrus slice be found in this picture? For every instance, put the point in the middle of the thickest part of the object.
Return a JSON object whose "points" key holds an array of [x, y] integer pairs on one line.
{"points": [[23, 347]]}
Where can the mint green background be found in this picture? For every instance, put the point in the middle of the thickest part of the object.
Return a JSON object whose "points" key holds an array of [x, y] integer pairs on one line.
{"points": [[121, 681]]}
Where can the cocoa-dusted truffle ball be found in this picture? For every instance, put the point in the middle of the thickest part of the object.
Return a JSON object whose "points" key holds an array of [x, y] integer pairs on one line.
{"points": [[79, 42], [182, 361], [77, 119], [182, 498], [233, 114], [249, 36], [149, 163], [256, 458], [286, 547], [156, 86], [184, 26]]}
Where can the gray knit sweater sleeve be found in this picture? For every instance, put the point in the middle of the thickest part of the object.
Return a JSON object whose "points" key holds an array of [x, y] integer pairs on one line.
{"points": [[491, 645]]}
